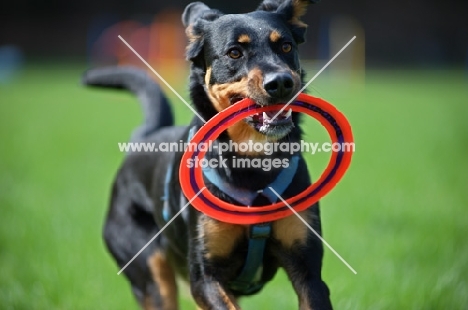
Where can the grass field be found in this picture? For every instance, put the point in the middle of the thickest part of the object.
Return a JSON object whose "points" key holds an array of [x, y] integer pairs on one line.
{"points": [[399, 216]]}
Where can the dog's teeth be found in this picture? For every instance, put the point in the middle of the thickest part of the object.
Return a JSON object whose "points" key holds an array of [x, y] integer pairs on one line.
{"points": [[265, 116], [288, 114]]}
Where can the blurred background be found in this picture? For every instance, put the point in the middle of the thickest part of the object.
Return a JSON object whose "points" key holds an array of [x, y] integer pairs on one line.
{"points": [[399, 217]]}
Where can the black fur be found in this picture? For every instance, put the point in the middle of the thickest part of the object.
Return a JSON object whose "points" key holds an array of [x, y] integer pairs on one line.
{"points": [[136, 207]]}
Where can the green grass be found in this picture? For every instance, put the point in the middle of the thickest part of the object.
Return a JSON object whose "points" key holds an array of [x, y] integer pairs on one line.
{"points": [[399, 216]]}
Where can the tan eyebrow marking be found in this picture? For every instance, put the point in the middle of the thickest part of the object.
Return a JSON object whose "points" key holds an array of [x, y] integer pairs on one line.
{"points": [[244, 38], [275, 36]]}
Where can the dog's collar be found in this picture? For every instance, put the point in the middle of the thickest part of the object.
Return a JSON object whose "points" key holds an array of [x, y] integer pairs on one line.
{"points": [[246, 196]]}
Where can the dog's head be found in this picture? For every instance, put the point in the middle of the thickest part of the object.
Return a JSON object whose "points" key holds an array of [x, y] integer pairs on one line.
{"points": [[252, 55]]}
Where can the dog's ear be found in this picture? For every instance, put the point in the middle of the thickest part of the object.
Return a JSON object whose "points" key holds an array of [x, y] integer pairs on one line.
{"points": [[273, 5], [292, 11], [194, 18]]}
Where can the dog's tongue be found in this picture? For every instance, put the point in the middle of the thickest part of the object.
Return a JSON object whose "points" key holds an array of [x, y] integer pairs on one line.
{"points": [[268, 115]]}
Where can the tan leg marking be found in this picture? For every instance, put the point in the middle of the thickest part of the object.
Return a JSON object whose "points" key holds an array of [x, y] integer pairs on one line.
{"points": [[164, 276], [291, 229], [228, 300], [148, 303], [304, 300], [220, 238]]}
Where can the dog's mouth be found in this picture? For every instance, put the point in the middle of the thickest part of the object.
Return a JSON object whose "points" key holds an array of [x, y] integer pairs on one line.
{"points": [[270, 123]]}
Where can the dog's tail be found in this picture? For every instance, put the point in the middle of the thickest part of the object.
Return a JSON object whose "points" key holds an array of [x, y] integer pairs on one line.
{"points": [[156, 108]]}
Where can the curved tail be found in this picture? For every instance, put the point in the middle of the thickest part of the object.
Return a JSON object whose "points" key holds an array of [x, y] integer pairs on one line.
{"points": [[155, 106]]}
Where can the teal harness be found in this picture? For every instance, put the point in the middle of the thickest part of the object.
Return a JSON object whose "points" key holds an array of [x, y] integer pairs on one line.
{"points": [[249, 280]]}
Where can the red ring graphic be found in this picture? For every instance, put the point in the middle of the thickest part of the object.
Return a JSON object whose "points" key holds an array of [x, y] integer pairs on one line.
{"points": [[235, 214]]}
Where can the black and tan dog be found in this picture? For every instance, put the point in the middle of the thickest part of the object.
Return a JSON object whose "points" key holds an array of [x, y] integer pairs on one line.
{"points": [[232, 57]]}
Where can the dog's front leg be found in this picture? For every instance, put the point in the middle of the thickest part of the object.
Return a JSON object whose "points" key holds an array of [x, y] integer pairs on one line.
{"points": [[210, 295], [301, 256], [303, 268], [212, 243], [312, 292]]}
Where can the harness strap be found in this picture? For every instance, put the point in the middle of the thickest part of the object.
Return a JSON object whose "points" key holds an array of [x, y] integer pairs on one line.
{"points": [[245, 196], [167, 181], [166, 211], [249, 280]]}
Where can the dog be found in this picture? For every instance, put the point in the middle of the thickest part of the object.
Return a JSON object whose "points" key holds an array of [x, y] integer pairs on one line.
{"points": [[253, 55]]}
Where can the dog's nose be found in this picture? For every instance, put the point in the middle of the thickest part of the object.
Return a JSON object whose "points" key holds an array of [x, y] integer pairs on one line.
{"points": [[278, 85]]}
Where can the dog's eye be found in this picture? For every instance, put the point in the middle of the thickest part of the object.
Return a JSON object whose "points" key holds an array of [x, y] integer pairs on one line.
{"points": [[286, 47], [234, 53]]}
